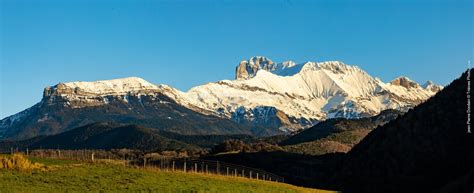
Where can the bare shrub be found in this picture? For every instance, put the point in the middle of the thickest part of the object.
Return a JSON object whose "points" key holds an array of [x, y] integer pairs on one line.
{"points": [[19, 162]]}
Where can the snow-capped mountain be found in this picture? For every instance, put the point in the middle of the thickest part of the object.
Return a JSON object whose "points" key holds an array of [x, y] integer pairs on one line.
{"points": [[83, 94], [302, 94], [132, 100], [284, 96]]}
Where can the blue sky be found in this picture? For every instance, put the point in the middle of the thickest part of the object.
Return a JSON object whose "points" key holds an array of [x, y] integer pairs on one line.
{"points": [[187, 43]]}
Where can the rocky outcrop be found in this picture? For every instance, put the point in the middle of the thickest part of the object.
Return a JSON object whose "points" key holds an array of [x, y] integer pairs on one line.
{"points": [[405, 82], [248, 68], [429, 85]]}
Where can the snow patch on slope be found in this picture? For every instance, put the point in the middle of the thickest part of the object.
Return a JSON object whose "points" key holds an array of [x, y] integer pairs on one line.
{"points": [[115, 86]]}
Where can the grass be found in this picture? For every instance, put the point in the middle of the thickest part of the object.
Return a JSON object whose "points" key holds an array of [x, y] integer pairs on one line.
{"points": [[53, 162], [70, 176]]}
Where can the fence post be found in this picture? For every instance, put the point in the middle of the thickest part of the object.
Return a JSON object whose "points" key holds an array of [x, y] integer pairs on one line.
{"points": [[243, 173], [144, 162], [218, 169], [195, 167], [257, 176], [184, 166], [11, 150], [227, 170], [27, 153], [92, 156], [173, 166], [250, 174], [207, 169], [235, 172]]}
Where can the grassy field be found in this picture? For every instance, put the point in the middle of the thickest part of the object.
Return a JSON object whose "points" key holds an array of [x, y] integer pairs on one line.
{"points": [[71, 176]]}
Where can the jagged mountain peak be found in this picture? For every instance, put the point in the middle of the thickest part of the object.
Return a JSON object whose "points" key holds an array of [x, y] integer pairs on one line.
{"points": [[336, 67], [427, 83], [403, 78], [248, 68], [288, 64], [430, 85], [405, 82], [262, 60]]}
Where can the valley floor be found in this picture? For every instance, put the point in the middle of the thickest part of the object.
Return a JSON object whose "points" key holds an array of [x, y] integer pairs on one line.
{"points": [[72, 176]]}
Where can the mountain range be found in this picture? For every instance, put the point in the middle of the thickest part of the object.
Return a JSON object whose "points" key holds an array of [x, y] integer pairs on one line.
{"points": [[427, 149], [266, 98], [106, 136]]}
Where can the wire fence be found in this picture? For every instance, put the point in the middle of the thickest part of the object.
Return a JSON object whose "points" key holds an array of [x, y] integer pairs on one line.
{"points": [[83, 155], [166, 163], [209, 167]]}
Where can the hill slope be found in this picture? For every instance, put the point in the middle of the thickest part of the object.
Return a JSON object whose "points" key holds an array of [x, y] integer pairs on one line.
{"points": [[105, 136], [335, 135], [82, 177], [325, 128]]}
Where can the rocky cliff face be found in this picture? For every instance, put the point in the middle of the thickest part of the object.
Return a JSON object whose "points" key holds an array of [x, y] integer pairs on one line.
{"points": [[88, 94], [405, 82], [248, 68], [269, 117]]}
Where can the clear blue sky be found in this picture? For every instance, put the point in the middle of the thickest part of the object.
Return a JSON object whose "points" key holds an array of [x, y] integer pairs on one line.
{"points": [[187, 43]]}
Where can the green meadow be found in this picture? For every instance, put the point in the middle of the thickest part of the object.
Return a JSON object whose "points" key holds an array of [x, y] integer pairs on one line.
{"points": [[73, 176]]}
